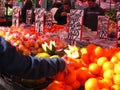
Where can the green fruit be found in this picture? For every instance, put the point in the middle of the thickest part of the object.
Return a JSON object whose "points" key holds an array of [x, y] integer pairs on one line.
{"points": [[55, 56], [43, 55]]}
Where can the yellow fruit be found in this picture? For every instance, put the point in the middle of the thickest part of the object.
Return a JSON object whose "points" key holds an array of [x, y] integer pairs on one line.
{"points": [[55, 56], [101, 60], [107, 65], [116, 79], [115, 87], [117, 68], [92, 84], [83, 50], [43, 55], [114, 59], [108, 74], [118, 55]]}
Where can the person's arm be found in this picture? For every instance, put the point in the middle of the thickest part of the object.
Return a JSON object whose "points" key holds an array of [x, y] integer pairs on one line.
{"points": [[15, 63], [57, 15]]}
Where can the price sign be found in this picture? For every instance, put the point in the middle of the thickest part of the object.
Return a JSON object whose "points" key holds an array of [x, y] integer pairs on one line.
{"points": [[48, 20], [2, 11], [76, 19], [102, 28], [29, 17], [16, 16], [39, 19]]}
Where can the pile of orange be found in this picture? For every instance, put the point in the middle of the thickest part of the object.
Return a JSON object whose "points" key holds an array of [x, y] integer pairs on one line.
{"points": [[99, 70]]}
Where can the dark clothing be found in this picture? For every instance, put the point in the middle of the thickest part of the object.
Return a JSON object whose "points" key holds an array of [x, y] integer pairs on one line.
{"points": [[15, 63], [61, 20], [23, 16], [91, 17]]}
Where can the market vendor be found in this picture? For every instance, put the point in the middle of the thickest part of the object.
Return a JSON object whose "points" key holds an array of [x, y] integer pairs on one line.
{"points": [[61, 14], [28, 5], [14, 63], [91, 14]]}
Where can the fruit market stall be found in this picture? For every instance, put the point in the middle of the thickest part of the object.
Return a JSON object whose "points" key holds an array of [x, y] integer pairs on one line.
{"points": [[91, 63]]}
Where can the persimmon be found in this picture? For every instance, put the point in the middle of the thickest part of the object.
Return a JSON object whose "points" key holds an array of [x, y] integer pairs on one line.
{"points": [[108, 81], [90, 48], [76, 85], [93, 58], [103, 85], [108, 65], [70, 77], [101, 60], [94, 68], [85, 59], [82, 74], [60, 76], [55, 85], [116, 79], [67, 87], [92, 84]]}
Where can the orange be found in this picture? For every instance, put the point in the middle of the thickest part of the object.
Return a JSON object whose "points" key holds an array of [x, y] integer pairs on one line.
{"points": [[98, 51], [76, 85], [107, 65], [70, 77], [118, 55], [94, 68], [108, 74], [117, 68], [115, 87], [101, 60], [114, 59], [116, 79], [92, 84]]}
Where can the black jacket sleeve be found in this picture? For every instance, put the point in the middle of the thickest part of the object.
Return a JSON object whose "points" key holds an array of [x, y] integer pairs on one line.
{"points": [[15, 63]]}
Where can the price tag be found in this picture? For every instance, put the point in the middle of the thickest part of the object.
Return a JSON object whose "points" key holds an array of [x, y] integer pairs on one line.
{"points": [[29, 17], [16, 16], [48, 20], [39, 20], [75, 29], [102, 28]]}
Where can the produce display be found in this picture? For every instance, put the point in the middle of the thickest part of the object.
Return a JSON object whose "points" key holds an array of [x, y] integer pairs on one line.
{"points": [[91, 67], [28, 41], [96, 68]]}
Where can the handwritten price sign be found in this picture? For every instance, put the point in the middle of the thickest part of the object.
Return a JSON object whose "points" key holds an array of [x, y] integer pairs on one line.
{"points": [[75, 29], [39, 20], [48, 20], [102, 28], [16, 16], [29, 17]]}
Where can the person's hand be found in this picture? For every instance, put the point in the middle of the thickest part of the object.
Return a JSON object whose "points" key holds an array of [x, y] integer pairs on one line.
{"points": [[64, 14]]}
